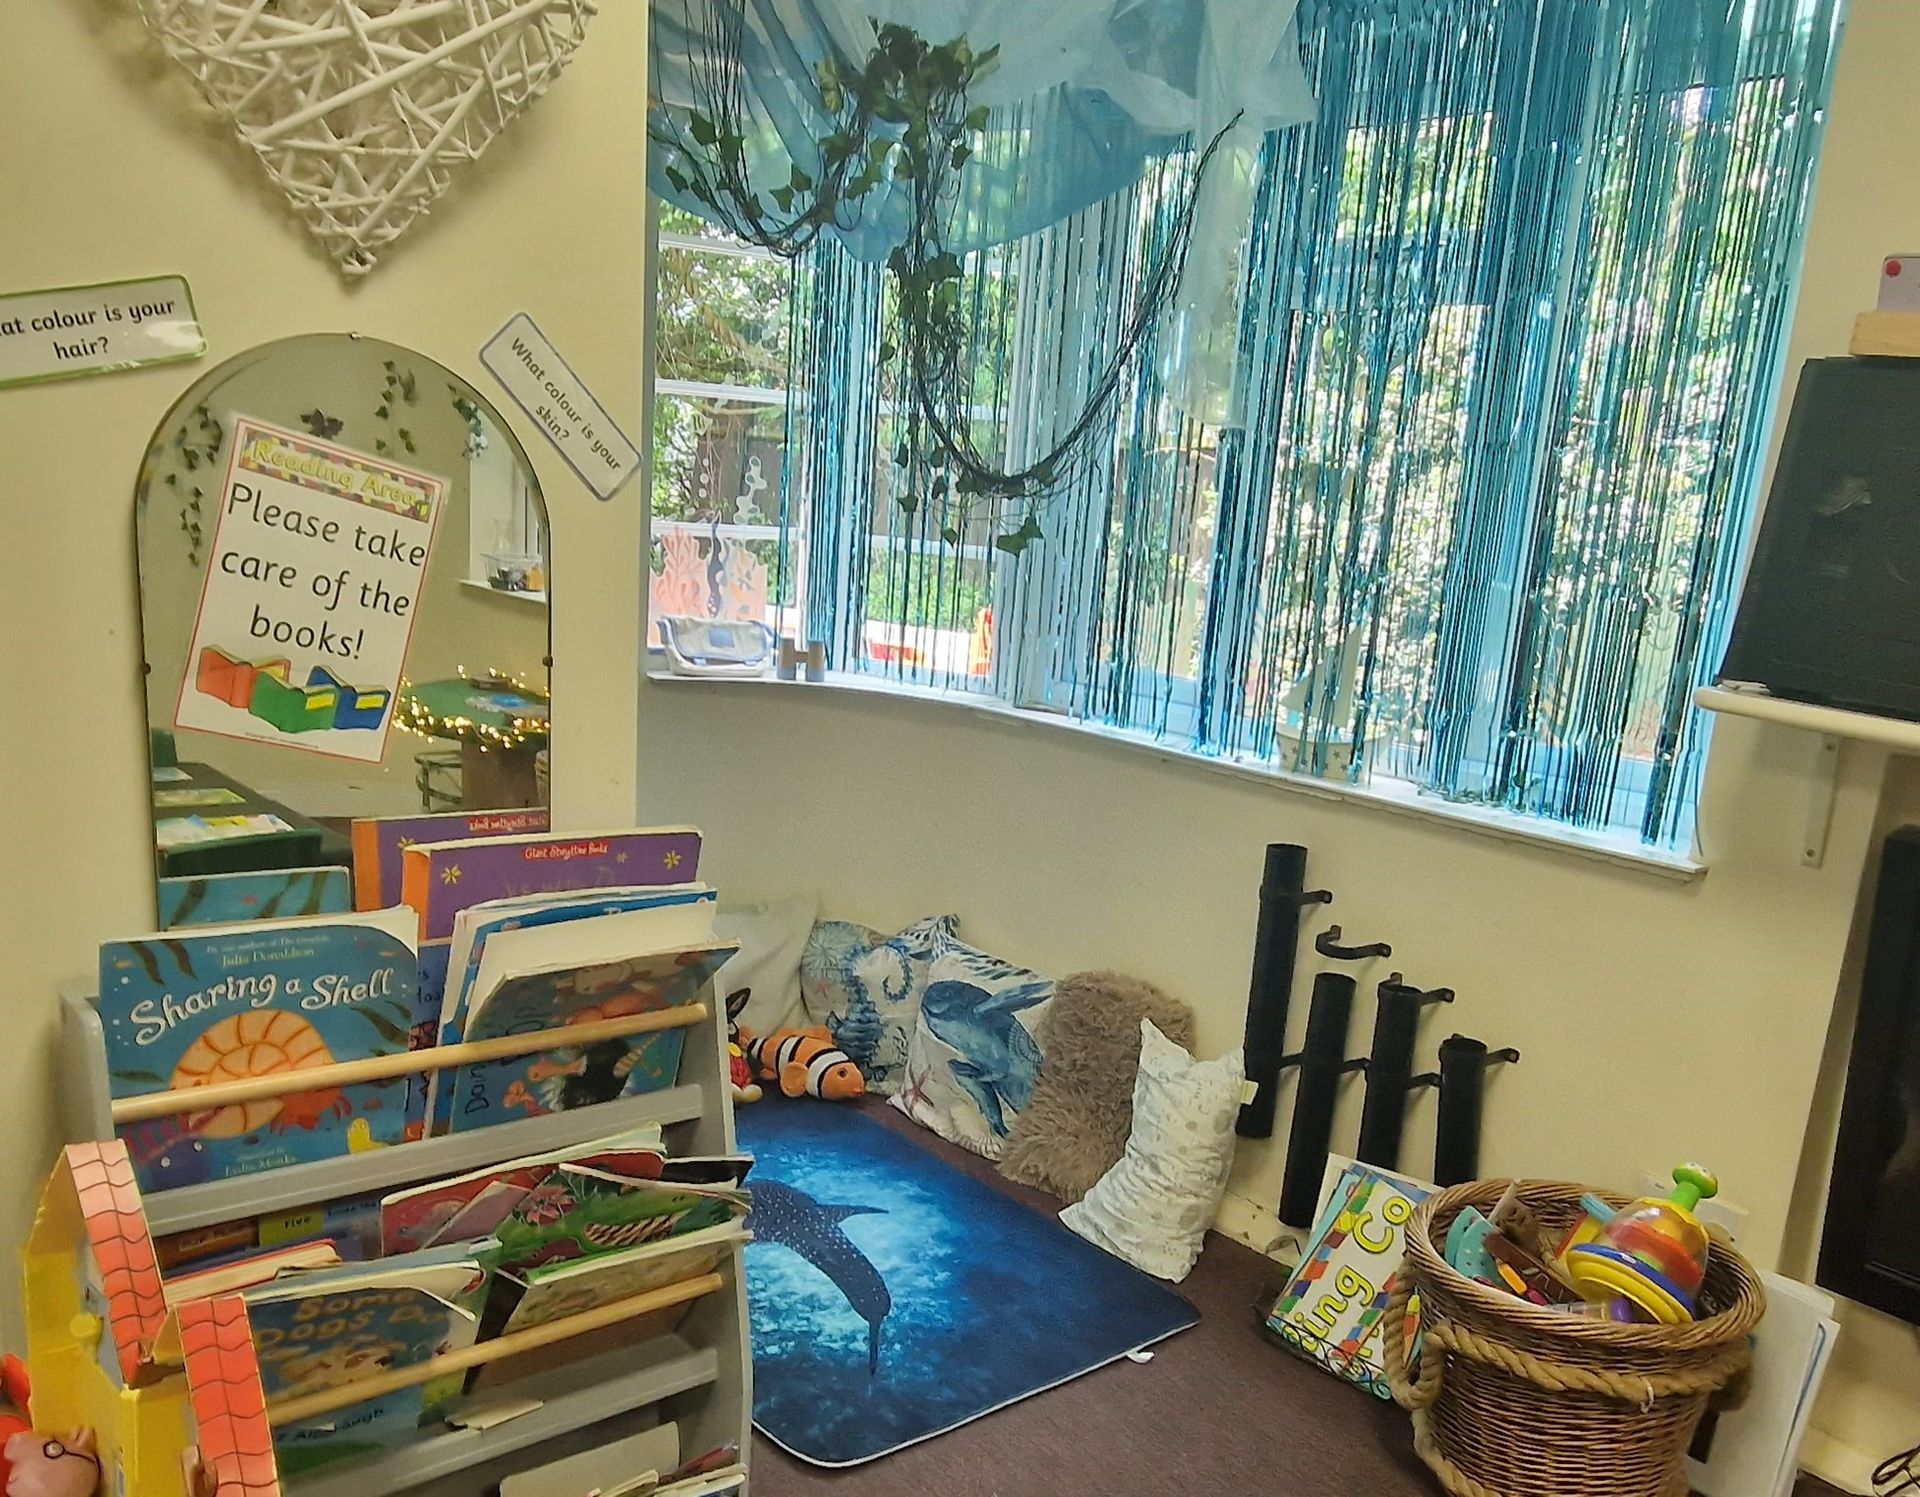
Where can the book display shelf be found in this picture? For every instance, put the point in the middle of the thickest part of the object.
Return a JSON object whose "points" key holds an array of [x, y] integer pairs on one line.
{"points": [[569, 1385]]}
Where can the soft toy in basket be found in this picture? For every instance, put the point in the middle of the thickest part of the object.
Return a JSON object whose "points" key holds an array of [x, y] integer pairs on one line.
{"points": [[1516, 1399]]}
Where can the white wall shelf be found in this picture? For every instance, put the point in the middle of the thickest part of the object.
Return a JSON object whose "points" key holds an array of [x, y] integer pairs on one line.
{"points": [[480, 585], [1832, 722], [1830, 727]]}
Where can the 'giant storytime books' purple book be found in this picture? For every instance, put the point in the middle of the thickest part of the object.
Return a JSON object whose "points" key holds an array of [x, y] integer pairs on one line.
{"points": [[380, 843], [443, 878]]}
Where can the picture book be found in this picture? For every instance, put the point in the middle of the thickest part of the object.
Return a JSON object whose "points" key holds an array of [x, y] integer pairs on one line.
{"points": [[249, 1272], [232, 898], [579, 1475], [492, 940], [330, 1327], [184, 831], [197, 796], [526, 1298], [350, 1223], [423, 1216], [577, 1211], [222, 1003], [717, 1471], [642, 1465], [563, 1079], [441, 879], [378, 842], [1753, 1449], [569, 927], [1332, 1309]]}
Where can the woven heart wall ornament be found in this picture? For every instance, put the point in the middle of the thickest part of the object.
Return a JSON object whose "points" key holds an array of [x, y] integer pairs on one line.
{"points": [[363, 111]]}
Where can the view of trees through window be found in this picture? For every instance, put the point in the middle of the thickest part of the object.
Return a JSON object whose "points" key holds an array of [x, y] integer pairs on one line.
{"points": [[1489, 457]]}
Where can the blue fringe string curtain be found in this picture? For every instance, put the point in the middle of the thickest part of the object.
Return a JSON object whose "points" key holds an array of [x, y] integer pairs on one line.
{"points": [[1513, 306]]}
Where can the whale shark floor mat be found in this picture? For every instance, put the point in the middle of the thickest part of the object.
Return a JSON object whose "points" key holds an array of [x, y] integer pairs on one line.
{"points": [[895, 1299]]}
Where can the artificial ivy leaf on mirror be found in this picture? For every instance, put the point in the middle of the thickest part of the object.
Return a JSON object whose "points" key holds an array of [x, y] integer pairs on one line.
{"points": [[343, 574], [362, 111]]}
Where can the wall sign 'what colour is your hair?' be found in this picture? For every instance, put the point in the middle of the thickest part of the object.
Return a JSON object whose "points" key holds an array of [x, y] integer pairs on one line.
{"points": [[308, 603], [69, 331]]}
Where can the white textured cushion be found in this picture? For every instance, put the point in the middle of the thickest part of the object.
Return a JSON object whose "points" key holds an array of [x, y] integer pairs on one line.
{"points": [[772, 936], [973, 1060], [865, 987], [1153, 1208]]}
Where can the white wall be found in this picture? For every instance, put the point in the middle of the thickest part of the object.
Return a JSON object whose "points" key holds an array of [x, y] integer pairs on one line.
{"points": [[107, 173], [1657, 1020]]}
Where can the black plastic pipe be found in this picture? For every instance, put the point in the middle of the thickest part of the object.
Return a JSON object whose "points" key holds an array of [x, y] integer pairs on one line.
{"points": [[1463, 1086], [1322, 1062], [1275, 947], [1390, 1069]]}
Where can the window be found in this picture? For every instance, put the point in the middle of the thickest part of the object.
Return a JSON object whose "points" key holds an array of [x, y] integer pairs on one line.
{"points": [[719, 425], [1512, 311]]}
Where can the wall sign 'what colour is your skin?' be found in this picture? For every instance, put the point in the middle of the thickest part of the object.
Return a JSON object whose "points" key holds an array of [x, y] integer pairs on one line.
{"points": [[312, 581]]}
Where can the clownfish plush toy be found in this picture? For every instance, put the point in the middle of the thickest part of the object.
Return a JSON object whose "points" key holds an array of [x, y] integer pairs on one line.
{"points": [[805, 1062]]}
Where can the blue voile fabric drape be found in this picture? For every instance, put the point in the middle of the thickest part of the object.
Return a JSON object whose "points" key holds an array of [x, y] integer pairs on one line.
{"points": [[1511, 313]]}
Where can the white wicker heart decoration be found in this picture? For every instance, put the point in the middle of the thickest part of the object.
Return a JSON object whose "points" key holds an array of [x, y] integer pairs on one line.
{"points": [[363, 110]]}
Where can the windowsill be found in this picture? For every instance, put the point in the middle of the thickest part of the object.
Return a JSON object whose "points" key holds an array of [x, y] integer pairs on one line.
{"points": [[1394, 797], [478, 586]]}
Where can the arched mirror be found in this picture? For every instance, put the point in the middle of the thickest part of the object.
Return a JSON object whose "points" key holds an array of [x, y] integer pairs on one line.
{"points": [[343, 595]]}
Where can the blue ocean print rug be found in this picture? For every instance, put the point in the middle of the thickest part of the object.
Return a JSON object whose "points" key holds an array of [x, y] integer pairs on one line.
{"points": [[895, 1298]]}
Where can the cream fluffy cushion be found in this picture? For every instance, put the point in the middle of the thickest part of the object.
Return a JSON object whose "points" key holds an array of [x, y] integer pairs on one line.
{"points": [[1153, 1208]]}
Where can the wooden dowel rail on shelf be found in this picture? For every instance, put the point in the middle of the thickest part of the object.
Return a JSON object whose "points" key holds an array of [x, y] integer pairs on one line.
{"points": [[361, 1390], [409, 1062]]}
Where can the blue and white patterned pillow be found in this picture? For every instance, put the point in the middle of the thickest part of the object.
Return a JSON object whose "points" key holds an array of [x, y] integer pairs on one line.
{"points": [[865, 987], [973, 1060]]}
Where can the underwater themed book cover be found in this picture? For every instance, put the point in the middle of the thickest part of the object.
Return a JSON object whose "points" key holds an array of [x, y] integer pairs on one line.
{"points": [[195, 1009], [271, 894], [457, 966], [563, 1079]]}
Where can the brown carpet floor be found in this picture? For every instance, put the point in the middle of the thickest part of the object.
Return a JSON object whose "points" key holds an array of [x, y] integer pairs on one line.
{"points": [[1219, 1410]]}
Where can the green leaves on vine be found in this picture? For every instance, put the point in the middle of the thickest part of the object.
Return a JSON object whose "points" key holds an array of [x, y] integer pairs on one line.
{"points": [[904, 117]]}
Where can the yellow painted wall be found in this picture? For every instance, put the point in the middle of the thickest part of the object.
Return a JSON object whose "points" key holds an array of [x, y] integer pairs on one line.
{"points": [[1657, 1019], [108, 172]]}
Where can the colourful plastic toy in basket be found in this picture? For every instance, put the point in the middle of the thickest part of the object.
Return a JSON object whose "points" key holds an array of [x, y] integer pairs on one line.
{"points": [[1653, 1253]]}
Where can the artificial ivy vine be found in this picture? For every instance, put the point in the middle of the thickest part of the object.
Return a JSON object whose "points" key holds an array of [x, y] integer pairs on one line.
{"points": [[903, 115], [196, 445]]}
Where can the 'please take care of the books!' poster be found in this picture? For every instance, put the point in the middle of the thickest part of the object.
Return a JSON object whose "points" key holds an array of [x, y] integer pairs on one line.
{"points": [[312, 582]]}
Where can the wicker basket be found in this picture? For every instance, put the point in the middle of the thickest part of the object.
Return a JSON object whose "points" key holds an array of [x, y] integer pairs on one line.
{"points": [[1513, 1400]]}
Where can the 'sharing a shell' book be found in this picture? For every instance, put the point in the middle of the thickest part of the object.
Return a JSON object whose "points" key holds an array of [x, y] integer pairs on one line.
{"points": [[218, 1004]]}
